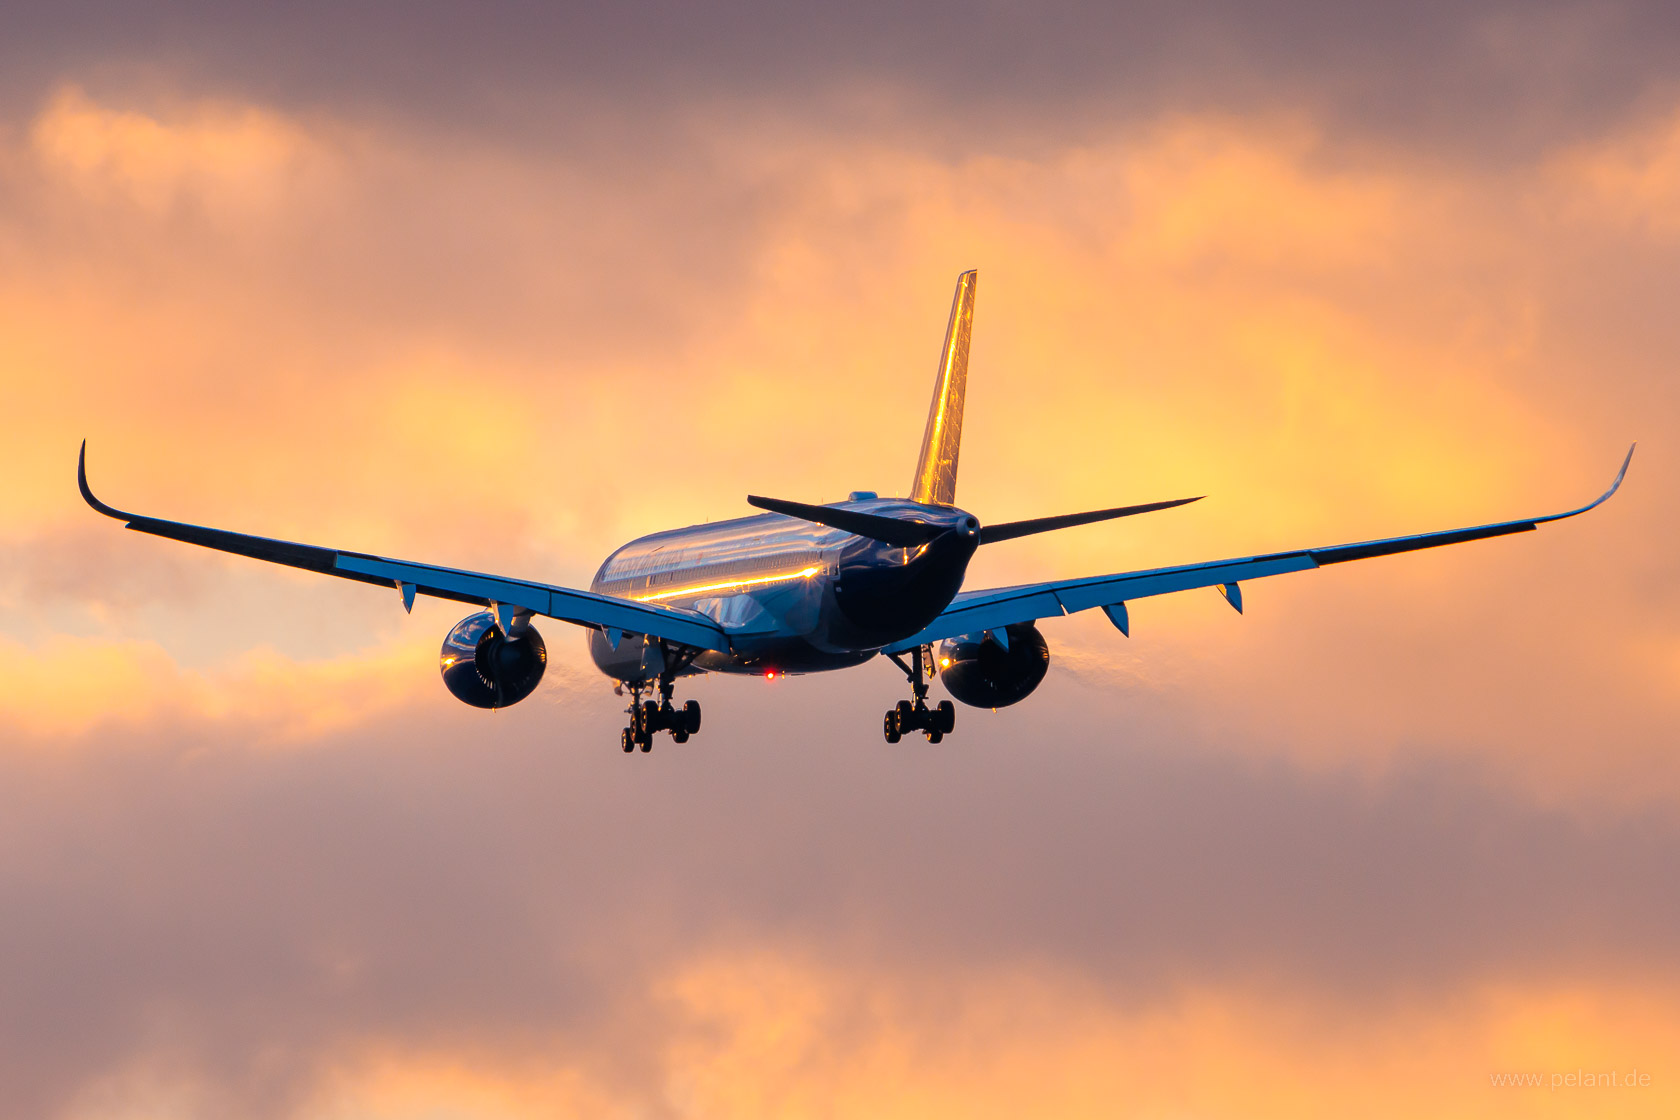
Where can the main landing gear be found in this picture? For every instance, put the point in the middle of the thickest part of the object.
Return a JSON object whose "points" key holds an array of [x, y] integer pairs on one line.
{"points": [[649, 717], [915, 715]]}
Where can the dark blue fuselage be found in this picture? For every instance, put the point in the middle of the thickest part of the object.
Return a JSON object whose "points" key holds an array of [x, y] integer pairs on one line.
{"points": [[793, 596]]}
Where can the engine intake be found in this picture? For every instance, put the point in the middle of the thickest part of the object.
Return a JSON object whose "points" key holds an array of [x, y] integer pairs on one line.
{"points": [[981, 673], [486, 669]]}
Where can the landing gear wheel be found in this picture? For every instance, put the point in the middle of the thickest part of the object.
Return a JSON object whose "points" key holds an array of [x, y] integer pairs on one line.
{"points": [[648, 717], [914, 714]]}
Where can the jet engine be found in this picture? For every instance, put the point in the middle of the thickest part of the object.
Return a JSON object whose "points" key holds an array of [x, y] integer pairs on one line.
{"points": [[485, 668], [985, 672]]}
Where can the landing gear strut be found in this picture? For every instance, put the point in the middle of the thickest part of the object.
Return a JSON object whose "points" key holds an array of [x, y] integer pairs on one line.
{"points": [[914, 714], [649, 717]]}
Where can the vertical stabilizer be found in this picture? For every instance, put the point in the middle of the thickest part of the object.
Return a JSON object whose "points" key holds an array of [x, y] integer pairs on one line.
{"points": [[936, 470]]}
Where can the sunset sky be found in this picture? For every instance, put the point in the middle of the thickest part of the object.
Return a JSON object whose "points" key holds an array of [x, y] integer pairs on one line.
{"points": [[503, 288]]}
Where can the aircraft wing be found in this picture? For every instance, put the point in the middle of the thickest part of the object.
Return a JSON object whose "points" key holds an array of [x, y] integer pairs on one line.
{"points": [[585, 608], [993, 609]]}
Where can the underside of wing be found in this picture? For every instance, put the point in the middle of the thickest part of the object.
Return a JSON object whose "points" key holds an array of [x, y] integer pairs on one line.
{"points": [[995, 608], [584, 608]]}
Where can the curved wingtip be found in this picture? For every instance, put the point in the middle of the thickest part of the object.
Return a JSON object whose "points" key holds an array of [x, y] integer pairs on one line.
{"points": [[87, 492], [1621, 474], [1602, 498]]}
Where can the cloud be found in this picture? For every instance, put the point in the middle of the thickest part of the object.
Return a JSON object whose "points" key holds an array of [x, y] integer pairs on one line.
{"points": [[513, 917], [1485, 81], [1632, 179], [47, 696], [228, 160], [1412, 817], [779, 1036], [89, 564], [1242, 342]]}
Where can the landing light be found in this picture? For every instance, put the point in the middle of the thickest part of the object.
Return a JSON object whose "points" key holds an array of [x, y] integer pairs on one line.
{"points": [[944, 662]]}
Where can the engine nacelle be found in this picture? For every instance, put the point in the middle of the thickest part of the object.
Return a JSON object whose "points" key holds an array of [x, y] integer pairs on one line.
{"points": [[980, 672], [486, 669]]}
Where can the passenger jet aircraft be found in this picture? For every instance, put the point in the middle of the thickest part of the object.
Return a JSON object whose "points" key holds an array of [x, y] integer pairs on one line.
{"points": [[801, 588]]}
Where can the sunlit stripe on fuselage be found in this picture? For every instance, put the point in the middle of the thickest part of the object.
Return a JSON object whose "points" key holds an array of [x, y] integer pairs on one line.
{"points": [[727, 585]]}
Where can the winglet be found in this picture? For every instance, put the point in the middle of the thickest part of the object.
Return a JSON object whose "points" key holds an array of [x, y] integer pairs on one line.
{"points": [[1601, 499], [87, 493]]}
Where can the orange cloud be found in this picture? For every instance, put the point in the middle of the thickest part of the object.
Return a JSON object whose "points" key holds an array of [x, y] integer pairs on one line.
{"points": [[500, 354], [1630, 179], [230, 160], [67, 688], [768, 1036], [1198, 305]]}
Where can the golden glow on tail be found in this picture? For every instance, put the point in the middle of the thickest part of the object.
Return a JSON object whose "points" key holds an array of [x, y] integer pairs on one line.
{"points": [[936, 470]]}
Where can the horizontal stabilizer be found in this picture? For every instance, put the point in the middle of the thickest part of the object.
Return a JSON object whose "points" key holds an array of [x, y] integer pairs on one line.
{"points": [[1009, 530], [888, 530]]}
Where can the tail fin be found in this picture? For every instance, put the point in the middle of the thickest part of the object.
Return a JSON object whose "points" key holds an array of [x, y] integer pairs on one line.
{"points": [[936, 470]]}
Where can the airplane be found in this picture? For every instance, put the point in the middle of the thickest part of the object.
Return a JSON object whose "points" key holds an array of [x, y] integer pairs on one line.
{"points": [[802, 588]]}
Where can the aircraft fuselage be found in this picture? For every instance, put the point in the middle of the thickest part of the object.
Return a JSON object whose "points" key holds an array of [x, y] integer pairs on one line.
{"points": [[793, 596]]}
